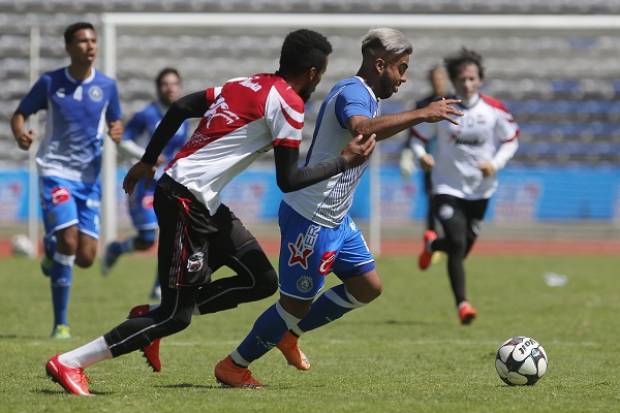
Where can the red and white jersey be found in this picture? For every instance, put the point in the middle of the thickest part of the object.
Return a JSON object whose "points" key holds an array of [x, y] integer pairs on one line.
{"points": [[486, 132], [246, 118]]}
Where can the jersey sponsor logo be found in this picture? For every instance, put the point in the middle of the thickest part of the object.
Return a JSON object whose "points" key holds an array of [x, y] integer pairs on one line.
{"points": [[195, 262], [220, 109], [95, 93], [255, 87], [327, 262], [304, 283], [299, 253], [60, 195]]}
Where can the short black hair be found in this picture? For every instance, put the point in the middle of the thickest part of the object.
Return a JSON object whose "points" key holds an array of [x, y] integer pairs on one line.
{"points": [[302, 50], [165, 72], [465, 56], [73, 28]]}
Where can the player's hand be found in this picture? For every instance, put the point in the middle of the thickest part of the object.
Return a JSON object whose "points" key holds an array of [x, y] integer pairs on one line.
{"points": [[487, 168], [161, 160], [25, 139], [442, 110], [115, 130], [406, 163], [139, 171], [427, 162], [358, 150]]}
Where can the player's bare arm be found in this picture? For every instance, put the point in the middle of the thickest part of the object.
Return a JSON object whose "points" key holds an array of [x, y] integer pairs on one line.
{"points": [[23, 137], [389, 125]]}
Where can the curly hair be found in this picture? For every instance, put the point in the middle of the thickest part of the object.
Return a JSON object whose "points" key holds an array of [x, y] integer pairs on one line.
{"points": [[303, 49], [465, 56]]}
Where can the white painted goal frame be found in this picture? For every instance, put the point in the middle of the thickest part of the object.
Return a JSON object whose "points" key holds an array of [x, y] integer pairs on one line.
{"points": [[112, 21]]}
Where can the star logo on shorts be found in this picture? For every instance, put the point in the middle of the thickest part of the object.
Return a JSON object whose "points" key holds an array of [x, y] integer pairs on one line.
{"points": [[299, 253]]}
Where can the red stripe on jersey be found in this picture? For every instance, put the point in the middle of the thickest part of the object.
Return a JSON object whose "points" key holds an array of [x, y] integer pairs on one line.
{"points": [[288, 143], [417, 135], [210, 96], [290, 120], [514, 137], [494, 103]]}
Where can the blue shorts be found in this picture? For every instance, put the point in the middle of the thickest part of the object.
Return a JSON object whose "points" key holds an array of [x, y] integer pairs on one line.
{"points": [[66, 203], [141, 205], [309, 252]]}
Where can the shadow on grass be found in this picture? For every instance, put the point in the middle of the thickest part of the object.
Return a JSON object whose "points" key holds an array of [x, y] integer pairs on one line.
{"points": [[60, 391], [218, 387], [9, 336], [389, 322]]}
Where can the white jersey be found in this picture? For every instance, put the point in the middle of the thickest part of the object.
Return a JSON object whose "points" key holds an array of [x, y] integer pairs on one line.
{"points": [[328, 202], [486, 132], [246, 117]]}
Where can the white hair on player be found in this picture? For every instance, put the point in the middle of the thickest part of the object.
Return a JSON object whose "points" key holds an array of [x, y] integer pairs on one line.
{"points": [[385, 40]]}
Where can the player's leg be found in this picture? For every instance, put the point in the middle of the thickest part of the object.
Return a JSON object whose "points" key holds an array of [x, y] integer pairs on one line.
{"points": [[60, 218], [235, 247], [428, 190], [144, 220], [355, 266], [475, 211], [300, 281], [452, 215]]}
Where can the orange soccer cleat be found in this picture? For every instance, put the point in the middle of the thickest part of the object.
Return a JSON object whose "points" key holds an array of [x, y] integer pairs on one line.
{"points": [[426, 256], [467, 312], [72, 379], [230, 374], [290, 349], [150, 352]]}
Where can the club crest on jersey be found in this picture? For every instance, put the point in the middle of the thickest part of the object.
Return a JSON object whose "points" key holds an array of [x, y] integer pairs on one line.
{"points": [[446, 212], [303, 247], [195, 262], [147, 202], [95, 93], [327, 262], [60, 195], [304, 283]]}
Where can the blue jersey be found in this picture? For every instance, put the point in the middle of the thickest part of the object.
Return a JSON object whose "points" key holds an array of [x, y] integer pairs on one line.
{"points": [[77, 112], [141, 126], [328, 202]]}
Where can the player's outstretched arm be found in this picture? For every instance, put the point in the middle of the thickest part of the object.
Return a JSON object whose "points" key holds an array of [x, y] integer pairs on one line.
{"points": [[23, 137], [292, 178], [191, 106], [389, 125]]}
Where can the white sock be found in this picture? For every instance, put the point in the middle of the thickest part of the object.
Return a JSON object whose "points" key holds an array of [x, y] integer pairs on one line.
{"points": [[87, 355]]}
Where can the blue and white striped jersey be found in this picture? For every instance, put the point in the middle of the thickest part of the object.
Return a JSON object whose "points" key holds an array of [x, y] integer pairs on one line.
{"points": [[77, 112], [328, 202]]}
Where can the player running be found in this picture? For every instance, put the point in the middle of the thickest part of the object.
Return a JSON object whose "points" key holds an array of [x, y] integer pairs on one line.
{"points": [[138, 131], [80, 102], [318, 235], [199, 234], [464, 167]]}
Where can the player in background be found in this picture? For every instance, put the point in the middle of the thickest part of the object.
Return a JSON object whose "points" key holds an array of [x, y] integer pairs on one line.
{"points": [[464, 167], [197, 233], [318, 235], [138, 132], [80, 102], [438, 80]]}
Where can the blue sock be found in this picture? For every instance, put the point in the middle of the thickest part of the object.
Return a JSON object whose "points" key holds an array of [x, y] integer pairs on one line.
{"points": [[61, 276], [330, 306], [121, 247], [265, 334]]}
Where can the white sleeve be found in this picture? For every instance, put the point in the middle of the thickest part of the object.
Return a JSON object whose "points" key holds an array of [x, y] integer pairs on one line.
{"points": [[129, 148], [504, 154], [421, 134], [506, 134], [285, 119]]}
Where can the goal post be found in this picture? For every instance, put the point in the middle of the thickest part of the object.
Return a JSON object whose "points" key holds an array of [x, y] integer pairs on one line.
{"points": [[113, 21]]}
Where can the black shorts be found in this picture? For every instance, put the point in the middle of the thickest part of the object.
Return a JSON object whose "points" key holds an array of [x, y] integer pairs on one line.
{"points": [[192, 242]]}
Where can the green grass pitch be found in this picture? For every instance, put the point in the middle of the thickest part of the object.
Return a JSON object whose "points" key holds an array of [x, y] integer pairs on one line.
{"points": [[405, 352]]}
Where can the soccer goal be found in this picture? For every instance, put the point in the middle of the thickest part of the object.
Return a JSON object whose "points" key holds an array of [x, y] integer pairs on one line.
{"points": [[211, 48]]}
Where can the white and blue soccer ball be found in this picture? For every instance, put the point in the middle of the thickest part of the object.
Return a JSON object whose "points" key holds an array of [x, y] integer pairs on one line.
{"points": [[21, 245], [521, 361]]}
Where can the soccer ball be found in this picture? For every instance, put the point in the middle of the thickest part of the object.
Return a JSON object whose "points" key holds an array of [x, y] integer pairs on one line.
{"points": [[21, 245], [521, 360]]}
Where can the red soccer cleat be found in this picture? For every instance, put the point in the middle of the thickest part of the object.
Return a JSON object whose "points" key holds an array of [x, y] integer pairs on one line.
{"points": [[289, 347], [229, 374], [426, 256], [72, 379], [467, 312], [150, 352]]}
